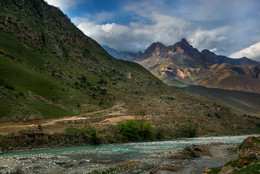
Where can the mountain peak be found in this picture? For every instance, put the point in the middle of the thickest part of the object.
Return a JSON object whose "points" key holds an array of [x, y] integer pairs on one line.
{"points": [[155, 47], [157, 44], [184, 41], [208, 53], [183, 44], [184, 47]]}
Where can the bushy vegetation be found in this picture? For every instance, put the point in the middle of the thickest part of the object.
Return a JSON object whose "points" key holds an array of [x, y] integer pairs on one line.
{"points": [[147, 132], [188, 129], [132, 132], [94, 138], [135, 130]]}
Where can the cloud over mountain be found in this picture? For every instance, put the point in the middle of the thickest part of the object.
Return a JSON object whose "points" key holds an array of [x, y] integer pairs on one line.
{"points": [[136, 35], [252, 51]]}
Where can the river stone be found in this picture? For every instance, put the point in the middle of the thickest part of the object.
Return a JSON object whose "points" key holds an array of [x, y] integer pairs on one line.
{"points": [[242, 162], [226, 170]]}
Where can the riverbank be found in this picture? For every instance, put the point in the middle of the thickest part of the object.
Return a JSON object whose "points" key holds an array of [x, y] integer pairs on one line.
{"points": [[167, 156]]}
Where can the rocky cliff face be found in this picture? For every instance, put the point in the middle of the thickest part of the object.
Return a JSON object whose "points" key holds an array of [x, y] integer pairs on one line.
{"points": [[45, 28]]}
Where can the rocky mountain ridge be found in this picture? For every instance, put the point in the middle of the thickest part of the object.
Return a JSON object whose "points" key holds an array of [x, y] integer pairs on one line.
{"points": [[181, 63]]}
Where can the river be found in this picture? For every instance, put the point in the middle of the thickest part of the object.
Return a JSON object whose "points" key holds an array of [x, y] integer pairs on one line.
{"points": [[85, 159]]}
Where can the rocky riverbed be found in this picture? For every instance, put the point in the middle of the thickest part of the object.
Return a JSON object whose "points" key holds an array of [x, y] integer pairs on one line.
{"points": [[179, 156]]}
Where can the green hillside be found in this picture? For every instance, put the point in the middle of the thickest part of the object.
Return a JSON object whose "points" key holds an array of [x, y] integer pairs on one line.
{"points": [[50, 69], [57, 85], [41, 80]]}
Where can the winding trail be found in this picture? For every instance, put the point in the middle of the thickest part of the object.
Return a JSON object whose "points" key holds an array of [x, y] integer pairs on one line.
{"points": [[110, 115]]}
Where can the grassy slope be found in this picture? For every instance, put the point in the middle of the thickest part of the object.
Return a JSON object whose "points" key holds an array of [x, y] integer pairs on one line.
{"points": [[18, 65], [51, 69], [23, 79], [58, 85]]}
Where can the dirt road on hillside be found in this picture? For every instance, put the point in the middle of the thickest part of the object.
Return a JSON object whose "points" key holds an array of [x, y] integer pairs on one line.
{"points": [[107, 116]]}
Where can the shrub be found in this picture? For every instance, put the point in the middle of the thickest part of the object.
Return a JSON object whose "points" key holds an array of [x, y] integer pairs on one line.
{"points": [[189, 130], [103, 91], [217, 115], [40, 127], [130, 130], [159, 133], [146, 133], [9, 87], [102, 81], [94, 138]]}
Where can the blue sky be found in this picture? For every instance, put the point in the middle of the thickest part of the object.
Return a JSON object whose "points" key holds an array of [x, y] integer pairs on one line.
{"points": [[227, 27]]}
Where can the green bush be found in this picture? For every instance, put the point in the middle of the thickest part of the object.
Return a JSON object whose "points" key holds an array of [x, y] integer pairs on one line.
{"points": [[188, 130], [146, 133], [94, 138], [130, 130], [3, 141], [159, 133]]}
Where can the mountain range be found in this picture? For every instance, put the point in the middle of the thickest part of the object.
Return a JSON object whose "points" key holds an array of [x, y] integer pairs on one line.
{"points": [[181, 64]]}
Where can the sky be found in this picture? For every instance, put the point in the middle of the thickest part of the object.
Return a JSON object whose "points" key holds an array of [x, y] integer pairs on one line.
{"points": [[226, 27]]}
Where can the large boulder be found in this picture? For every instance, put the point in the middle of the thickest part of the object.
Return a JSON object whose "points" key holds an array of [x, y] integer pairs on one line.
{"points": [[249, 147]]}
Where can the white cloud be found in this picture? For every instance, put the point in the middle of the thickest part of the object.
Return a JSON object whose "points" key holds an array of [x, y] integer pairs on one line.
{"points": [[209, 38], [252, 52], [214, 50], [151, 25], [136, 35], [63, 4]]}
